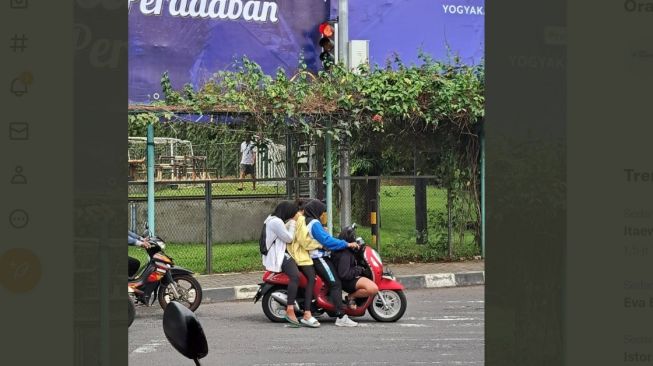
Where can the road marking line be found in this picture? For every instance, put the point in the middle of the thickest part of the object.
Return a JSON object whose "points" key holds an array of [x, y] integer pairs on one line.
{"points": [[414, 325], [149, 347], [445, 318], [434, 339], [463, 301]]}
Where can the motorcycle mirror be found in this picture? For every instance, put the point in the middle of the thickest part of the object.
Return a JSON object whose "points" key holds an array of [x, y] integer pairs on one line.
{"points": [[184, 331]]}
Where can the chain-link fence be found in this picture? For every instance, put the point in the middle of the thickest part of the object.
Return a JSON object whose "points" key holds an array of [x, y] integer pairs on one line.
{"points": [[177, 159], [213, 226]]}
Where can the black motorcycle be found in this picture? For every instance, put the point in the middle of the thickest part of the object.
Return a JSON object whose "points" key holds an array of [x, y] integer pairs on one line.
{"points": [[162, 280]]}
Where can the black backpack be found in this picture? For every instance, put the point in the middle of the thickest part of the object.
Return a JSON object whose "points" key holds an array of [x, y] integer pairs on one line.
{"points": [[263, 247]]}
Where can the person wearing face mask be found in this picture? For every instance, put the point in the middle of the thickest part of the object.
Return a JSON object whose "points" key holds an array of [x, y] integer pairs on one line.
{"points": [[315, 214], [299, 250]]}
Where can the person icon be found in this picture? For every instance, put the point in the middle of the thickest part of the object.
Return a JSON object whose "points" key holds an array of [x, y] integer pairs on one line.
{"points": [[18, 177]]}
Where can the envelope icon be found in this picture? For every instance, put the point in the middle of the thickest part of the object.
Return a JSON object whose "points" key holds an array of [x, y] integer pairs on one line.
{"points": [[18, 131]]}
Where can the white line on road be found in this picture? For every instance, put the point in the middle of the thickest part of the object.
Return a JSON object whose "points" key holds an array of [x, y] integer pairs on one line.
{"points": [[408, 325], [445, 318], [465, 301], [149, 347], [434, 339]]}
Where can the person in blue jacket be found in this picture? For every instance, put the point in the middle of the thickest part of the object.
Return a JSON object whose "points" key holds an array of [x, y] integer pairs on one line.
{"points": [[134, 239], [315, 211]]}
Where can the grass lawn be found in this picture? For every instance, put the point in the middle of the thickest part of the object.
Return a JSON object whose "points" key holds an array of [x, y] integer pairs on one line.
{"points": [[398, 233], [398, 236], [226, 257], [219, 189]]}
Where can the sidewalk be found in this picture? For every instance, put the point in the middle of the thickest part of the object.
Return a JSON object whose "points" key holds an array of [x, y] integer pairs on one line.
{"points": [[241, 286]]}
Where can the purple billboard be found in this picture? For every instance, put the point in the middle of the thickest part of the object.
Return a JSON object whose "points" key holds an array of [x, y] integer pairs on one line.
{"points": [[192, 39], [441, 28]]}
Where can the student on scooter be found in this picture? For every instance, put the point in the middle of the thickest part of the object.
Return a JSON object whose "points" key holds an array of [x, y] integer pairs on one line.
{"points": [[351, 277], [299, 251], [280, 230], [315, 212]]}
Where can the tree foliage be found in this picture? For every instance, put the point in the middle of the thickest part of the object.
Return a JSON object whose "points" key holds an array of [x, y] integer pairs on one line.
{"points": [[396, 118]]}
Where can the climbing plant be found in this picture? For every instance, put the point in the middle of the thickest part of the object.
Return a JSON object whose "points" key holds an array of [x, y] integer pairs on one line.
{"points": [[421, 118]]}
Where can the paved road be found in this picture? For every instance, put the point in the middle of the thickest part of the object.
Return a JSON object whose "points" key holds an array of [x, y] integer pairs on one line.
{"points": [[440, 327]]}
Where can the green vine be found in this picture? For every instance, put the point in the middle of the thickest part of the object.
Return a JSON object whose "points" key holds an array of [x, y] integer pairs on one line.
{"points": [[415, 119]]}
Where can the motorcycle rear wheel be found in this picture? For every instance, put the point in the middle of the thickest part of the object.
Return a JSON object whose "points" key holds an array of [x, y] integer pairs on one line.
{"points": [[395, 309], [190, 296], [273, 309]]}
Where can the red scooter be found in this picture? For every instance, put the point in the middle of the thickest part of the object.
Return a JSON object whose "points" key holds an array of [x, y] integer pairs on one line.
{"points": [[388, 305]]}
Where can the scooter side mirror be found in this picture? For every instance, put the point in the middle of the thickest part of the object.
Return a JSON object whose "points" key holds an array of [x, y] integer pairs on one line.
{"points": [[184, 331]]}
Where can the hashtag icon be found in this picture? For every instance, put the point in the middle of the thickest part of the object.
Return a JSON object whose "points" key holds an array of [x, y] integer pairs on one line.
{"points": [[18, 43]]}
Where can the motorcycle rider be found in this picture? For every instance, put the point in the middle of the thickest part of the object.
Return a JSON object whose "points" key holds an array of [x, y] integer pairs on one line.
{"points": [[315, 212], [134, 239], [280, 230], [350, 274], [299, 250]]}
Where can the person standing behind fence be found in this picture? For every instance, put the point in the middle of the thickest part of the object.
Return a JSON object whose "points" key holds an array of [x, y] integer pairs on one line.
{"points": [[315, 212], [299, 251], [248, 161]]}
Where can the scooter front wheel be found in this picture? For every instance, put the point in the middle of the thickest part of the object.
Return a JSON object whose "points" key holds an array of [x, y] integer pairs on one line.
{"points": [[388, 306], [189, 290]]}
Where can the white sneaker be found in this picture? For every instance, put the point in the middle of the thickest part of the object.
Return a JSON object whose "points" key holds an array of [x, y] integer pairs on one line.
{"points": [[345, 322]]}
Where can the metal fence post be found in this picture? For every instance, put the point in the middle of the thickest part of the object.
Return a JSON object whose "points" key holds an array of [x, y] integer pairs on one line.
{"points": [[378, 214], [208, 195], [482, 138], [373, 226], [450, 222], [133, 222], [421, 220]]}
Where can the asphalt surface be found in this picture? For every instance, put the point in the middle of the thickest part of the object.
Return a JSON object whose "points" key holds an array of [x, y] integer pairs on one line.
{"points": [[441, 327]]}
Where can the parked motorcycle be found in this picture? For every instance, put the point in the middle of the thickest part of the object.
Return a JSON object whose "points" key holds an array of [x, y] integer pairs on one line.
{"points": [[163, 281], [388, 305]]}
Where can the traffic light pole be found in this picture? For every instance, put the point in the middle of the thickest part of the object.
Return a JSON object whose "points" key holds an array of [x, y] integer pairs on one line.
{"points": [[343, 57], [343, 31]]}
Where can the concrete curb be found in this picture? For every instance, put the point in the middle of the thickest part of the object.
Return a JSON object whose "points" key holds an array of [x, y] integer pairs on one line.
{"points": [[434, 280]]}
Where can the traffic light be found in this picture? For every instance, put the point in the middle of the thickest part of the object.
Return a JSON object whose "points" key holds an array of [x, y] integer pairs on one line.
{"points": [[328, 42]]}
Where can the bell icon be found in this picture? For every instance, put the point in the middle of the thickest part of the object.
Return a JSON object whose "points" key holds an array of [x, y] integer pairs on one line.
{"points": [[19, 85]]}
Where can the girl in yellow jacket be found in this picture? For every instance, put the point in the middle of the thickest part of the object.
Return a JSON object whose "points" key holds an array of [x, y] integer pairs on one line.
{"points": [[298, 249]]}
